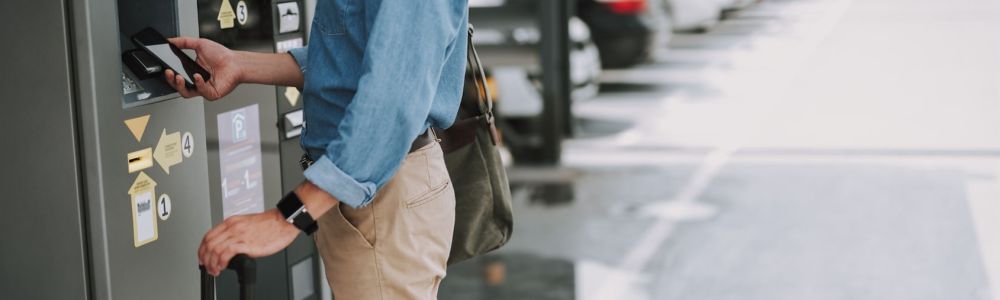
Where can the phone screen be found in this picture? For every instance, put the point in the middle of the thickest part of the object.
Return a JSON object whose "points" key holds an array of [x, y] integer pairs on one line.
{"points": [[168, 54]]}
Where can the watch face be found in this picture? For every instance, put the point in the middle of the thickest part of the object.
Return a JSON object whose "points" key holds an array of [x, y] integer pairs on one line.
{"points": [[289, 205], [295, 212]]}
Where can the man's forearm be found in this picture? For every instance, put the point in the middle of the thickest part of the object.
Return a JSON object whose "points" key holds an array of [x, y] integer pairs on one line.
{"points": [[270, 68], [317, 201]]}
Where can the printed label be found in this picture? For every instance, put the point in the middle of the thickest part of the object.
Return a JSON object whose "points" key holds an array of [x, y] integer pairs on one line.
{"points": [[143, 211]]}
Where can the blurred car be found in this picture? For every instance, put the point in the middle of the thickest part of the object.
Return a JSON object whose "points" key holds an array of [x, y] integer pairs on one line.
{"points": [[735, 4], [694, 15], [626, 31], [507, 36]]}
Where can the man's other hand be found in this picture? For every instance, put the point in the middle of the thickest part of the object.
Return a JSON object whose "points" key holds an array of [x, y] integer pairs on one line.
{"points": [[223, 64], [256, 235]]}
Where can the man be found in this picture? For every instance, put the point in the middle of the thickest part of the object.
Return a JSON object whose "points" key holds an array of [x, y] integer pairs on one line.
{"points": [[376, 76]]}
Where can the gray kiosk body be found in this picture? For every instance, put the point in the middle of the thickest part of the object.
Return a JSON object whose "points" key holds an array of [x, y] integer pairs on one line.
{"points": [[110, 179]]}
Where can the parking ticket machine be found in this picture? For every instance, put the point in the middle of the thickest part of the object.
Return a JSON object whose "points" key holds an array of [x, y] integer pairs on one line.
{"points": [[253, 138], [110, 178]]}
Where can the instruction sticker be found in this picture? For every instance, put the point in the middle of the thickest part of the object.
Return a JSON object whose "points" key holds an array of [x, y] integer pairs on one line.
{"points": [[284, 46], [289, 17], [143, 210], [239, 161], [168, 150], [226, 15], [292, 94]]}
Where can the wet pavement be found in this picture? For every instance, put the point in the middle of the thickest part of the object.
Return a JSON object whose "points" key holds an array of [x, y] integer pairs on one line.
{"points": [[802, 149]]}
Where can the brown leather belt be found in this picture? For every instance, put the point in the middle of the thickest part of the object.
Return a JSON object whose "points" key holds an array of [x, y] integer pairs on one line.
{"points": [[425, 139], [421, 141]]}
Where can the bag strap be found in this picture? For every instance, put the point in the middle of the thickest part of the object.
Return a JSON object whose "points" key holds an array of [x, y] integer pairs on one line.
{"points": [[482, 89], [479, 75], [465, 130]]}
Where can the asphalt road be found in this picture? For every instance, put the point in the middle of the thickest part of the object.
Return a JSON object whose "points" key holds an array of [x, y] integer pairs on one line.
{"points": [[802, 149]]}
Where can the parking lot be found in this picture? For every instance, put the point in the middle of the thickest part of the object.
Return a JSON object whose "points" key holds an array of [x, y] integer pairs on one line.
{"points": [[655, 150], [799, 149]]}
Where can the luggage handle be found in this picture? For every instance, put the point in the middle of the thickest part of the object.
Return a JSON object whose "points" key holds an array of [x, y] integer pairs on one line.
{"points": [[246, 275]]}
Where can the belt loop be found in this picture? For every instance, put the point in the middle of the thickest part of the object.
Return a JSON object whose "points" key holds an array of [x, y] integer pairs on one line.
{"points": [[434, 134]]}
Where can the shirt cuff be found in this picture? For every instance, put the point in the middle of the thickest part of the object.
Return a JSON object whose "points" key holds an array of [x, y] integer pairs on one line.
{"points": [[327, 176], [300, 55]]}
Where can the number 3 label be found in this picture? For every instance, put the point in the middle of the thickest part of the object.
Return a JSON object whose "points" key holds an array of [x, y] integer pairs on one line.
{"points": [[187, 145]]}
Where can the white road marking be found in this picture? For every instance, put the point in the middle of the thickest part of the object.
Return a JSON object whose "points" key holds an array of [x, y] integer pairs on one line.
{"points": [[643, 251], [635, 260], [680, 211]]}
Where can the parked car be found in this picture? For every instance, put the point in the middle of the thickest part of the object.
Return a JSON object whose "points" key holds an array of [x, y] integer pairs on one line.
{"points": [[608, 33], [694, 15], [626, 31], [735, 4], [507, 36]]}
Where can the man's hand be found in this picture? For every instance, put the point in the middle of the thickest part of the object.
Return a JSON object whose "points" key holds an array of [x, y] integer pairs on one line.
{"points": [[256, 235], [223, 64]]}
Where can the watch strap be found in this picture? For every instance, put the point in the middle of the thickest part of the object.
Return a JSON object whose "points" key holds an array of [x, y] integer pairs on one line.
{"points": [[304, 221], [294, 211]]}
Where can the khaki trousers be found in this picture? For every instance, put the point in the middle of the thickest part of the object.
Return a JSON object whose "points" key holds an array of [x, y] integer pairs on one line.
{"points": [[396, 247]]}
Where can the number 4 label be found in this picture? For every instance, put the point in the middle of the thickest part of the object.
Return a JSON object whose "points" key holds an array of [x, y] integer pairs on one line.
{"points": [[187, 145]]}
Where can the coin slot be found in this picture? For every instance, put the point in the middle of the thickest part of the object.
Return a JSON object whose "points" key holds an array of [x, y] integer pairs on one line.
{"points": [[140, 160]]}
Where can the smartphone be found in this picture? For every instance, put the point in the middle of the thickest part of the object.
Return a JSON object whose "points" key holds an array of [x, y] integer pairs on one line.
{"points": [[169, 55]]}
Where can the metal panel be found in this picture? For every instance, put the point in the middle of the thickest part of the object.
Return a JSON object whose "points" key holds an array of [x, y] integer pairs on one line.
{"points": [[167, 267], [42, 254], [69, 157]]}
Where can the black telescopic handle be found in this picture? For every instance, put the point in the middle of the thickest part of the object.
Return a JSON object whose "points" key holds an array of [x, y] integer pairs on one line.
{"points": [[207, 284], [246, 275]]}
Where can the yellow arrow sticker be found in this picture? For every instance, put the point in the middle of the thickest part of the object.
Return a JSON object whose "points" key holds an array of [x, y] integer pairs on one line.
{"points": [[142, 192], [292, 94], [137, 126], [226, 15], [142, 183], [168, 150]]}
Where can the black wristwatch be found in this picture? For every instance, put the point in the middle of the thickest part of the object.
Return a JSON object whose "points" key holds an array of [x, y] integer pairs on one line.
{"points": [[295, 213]]}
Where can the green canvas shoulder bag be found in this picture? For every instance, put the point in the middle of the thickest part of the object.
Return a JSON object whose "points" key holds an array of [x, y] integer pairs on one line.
{"points": [[483, 214]]}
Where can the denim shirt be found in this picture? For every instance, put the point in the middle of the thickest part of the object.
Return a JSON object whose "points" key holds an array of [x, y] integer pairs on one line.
{"points": [[378, 73]]}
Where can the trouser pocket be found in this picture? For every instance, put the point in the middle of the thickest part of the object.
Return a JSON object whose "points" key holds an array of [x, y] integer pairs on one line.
{"points": [[354, 224], [424, 176]]}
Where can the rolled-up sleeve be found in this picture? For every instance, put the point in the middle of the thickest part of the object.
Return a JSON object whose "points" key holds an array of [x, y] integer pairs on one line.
{"points": [[407, 46], [301, 56]]}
